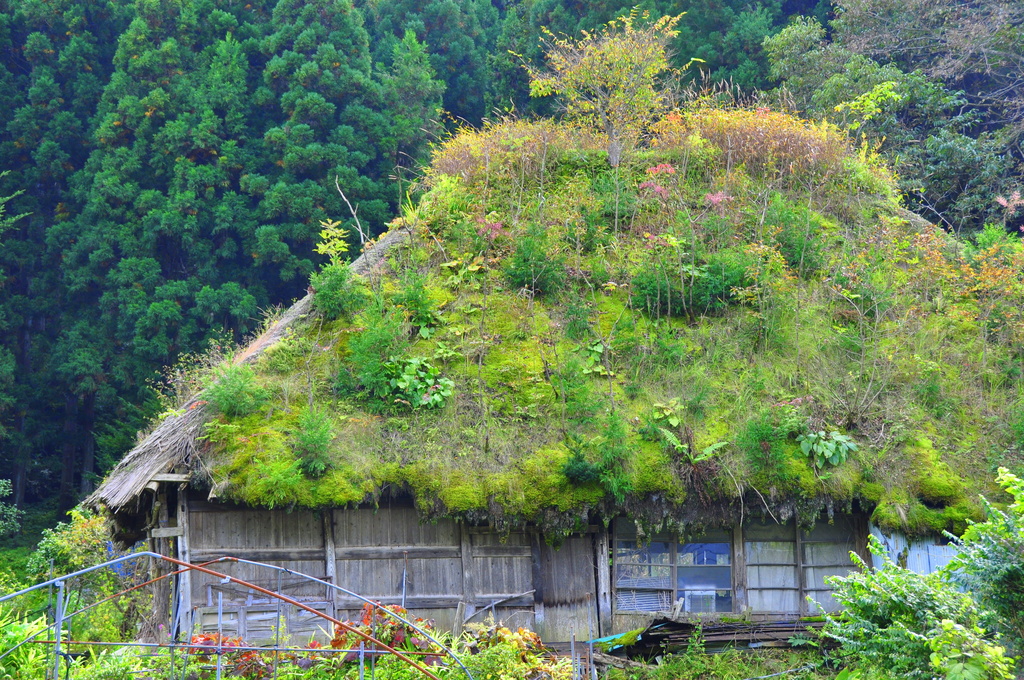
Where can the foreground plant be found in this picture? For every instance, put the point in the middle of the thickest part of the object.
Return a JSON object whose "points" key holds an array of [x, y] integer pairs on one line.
{"points": [[910, 625], [990, 560]]}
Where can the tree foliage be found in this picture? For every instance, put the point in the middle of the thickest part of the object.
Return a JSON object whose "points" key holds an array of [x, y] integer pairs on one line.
{"points": [[455, 35], [908, 77], [977, 47], [610, 78], [176, 159], [990, 560], [10, 516]]}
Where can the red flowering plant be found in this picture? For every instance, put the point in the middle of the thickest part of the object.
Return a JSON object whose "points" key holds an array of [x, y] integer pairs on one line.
{"points": [[246, 663], [389, 630], [653, 185], [205, 645]]}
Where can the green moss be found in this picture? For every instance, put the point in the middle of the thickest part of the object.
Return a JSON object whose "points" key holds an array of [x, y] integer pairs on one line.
{"points": [[339, 487], [891, 514], [799, 473], [650, 472], [935, 481], [545, 486], [871, 492]]}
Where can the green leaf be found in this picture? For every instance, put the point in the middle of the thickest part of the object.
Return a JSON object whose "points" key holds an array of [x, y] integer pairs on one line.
{"points": [[714, 447]]}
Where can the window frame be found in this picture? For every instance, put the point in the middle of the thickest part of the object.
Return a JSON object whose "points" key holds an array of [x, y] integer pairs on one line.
{"points": [[738, 538], [626, 532]]}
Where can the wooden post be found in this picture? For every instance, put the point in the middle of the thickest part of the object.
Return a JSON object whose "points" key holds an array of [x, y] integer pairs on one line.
{"points": [[468, 570], [184, 554], [161, 589], [330, 566], [739, 570], [537, 579], [800, 574], [604, 585], [460, 618]]}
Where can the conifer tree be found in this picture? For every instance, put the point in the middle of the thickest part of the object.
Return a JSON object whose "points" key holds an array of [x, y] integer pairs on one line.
{"points": [[63, 59], [158, 212], [412, 97], [458, 35], [325, 126]]}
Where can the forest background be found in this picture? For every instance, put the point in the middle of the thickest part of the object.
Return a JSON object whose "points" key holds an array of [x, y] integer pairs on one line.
{"points": [[168, 162]]}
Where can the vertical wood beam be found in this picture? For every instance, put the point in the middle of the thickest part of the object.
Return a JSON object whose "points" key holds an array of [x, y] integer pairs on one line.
{"points": [[161, 589], [602, 555], [330, 555], [739, 570], [185, 555], [468, 570], [800, 575], [537, 578]]}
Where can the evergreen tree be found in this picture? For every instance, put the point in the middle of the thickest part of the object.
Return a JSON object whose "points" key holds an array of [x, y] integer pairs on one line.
{"points": [[325, 126], [459, 35], [156, 235], [412, 97], [65, 53]]}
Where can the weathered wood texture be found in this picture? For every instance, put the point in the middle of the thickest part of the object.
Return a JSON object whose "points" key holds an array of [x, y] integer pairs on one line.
{"points": [[267, 624], [382, 554], [568, 581]]}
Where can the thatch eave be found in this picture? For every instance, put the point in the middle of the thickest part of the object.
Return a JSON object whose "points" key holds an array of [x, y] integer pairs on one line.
{"points": [[174, 442]]}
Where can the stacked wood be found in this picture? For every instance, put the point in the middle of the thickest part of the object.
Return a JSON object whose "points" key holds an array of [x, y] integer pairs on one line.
{"points": [[667, 635]]}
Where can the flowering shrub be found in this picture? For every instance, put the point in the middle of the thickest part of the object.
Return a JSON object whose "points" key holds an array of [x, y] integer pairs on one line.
{"points": [[387, 629]]}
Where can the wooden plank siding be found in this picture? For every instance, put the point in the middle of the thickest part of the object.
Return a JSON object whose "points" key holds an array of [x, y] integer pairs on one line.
{"points": [[593, 584], [517, 579], [568, 582]]}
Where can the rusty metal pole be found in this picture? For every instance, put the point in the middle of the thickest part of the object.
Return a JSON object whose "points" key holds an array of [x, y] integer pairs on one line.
{"points": [[220, 631]]}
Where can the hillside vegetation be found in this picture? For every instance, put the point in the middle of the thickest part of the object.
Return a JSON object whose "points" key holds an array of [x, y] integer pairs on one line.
{"points": [[738, 319]]}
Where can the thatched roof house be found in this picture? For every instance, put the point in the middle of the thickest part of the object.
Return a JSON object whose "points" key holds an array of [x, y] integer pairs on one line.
{"points": [[579, 394]]}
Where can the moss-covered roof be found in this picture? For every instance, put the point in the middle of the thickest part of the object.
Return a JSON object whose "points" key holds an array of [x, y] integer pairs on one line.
{"points": [[562, 340]]}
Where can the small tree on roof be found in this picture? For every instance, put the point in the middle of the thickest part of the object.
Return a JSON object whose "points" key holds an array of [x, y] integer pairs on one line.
{"points": [[610, 78]]}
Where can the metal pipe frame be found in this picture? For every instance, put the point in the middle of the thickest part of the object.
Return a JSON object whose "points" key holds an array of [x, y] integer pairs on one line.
{"points": [[185, 566]]}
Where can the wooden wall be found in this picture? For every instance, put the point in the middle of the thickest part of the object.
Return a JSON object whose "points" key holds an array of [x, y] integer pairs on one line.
{"points": [[451, 571]]}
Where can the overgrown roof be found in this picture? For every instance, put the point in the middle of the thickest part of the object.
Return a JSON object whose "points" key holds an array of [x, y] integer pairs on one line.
{"points": [[560, 340]]}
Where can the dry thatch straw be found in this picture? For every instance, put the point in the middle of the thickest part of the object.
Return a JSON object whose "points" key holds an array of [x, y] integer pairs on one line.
{"points": [[173, 443]]}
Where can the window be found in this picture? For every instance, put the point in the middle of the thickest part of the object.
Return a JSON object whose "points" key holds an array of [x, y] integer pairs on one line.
{"points": [[780, 566], [773, 584], [786, 565], [825, 551], [662, 574]]}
